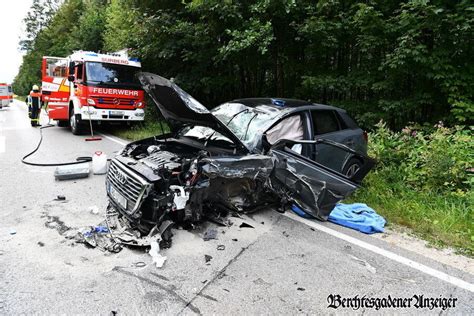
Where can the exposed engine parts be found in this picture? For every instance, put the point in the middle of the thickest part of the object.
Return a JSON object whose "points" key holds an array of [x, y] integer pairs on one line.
{"points": [[183, 187]]}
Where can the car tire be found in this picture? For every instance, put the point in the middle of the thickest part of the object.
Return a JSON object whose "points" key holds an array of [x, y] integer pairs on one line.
{"points": [[351, 167], [77, 127], [63, 123]]}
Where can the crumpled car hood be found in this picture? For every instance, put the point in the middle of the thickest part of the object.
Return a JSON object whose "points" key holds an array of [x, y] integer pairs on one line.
{"points": [[179, 108]]}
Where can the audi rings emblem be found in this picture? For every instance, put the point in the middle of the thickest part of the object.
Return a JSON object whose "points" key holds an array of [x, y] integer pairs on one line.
{"points": [[121, 178]]}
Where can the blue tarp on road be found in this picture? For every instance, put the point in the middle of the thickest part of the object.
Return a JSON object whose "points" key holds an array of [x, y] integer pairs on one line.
{"points": [[357, 216]]}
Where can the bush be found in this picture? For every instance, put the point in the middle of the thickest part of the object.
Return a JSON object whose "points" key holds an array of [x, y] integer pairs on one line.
{"points": [[424, 181], [432, 159]]}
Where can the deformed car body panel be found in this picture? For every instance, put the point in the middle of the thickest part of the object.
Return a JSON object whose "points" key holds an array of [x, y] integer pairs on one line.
{"points": [[315, 189], [251, 166]]}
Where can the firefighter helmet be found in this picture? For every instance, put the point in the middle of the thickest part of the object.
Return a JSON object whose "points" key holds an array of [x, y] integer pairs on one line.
{"points": [[35, 88]]}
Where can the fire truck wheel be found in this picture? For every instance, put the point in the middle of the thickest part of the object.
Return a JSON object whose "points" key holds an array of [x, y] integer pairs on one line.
{"points": [[76, 124]]}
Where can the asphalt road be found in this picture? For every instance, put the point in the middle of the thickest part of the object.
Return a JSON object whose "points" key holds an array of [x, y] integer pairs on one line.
{"points": [[285, 265]]}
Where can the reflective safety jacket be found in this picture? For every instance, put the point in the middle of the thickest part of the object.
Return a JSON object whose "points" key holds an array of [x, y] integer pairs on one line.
{"points": [[34, 100]]}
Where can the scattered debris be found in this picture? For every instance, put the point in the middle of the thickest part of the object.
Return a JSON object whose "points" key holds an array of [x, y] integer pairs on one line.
{"points": [[235, 239], [245, 225], [139, 264], [60, 198], [12, 231], [100, 237], [204, 282], [158, 259], [364, 263], [285, 234], [72, 171], [40, 243], [71, 234], [301, 289], [207, 258], [220, 247], [261, 281], [93, 210], [211, 233], [123, 232]]}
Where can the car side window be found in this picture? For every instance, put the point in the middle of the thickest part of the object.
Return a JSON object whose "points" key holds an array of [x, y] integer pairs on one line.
{"points": [[325, 121]]}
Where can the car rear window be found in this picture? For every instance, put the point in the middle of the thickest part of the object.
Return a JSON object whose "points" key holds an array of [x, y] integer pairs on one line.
{"points": [[325, 121]]}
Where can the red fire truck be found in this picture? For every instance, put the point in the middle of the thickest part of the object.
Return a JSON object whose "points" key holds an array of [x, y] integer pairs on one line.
{"points": [[91, 86]]}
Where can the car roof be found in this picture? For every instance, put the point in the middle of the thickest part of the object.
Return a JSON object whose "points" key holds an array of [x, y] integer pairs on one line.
{"points": [[284, 104]]}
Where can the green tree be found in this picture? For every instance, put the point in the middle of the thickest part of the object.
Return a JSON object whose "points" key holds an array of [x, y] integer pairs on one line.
{"points": [[397, 61]]}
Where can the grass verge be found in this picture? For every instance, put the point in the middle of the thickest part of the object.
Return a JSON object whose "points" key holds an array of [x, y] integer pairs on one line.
{"points": [[138, 131], [442, 220]]}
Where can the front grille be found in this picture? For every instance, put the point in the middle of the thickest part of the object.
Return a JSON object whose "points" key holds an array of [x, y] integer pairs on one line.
{"points": [[129, 185], [112, 101]]}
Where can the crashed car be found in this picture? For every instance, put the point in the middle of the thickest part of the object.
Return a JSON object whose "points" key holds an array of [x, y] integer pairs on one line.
{"points": [[239, 157]]}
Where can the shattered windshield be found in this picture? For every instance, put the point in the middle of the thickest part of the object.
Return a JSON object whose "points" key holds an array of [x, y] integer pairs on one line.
{"points": [[247, 123], [203, 133]]}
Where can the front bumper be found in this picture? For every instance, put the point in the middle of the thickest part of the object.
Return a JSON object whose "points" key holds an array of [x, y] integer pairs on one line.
{"points": [[111, 114]]}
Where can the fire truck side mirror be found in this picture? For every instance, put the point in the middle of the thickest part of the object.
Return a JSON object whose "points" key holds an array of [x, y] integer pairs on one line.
{"points": [[71, 78], [71, 68]]}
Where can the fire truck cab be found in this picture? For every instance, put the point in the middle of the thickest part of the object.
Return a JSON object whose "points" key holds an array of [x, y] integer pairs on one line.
{"points": [[91, 86]]}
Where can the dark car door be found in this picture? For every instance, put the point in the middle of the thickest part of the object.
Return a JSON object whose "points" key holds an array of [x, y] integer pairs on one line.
{"points": [[327, 124], [312, 185]]}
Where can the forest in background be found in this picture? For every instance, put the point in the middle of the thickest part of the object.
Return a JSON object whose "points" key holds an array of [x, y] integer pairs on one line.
{"points": [[400, 61]]}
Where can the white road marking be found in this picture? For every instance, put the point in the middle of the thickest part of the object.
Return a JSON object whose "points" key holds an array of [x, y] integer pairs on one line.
{"points": [[114, 139], [388, 254], [2, 144]]}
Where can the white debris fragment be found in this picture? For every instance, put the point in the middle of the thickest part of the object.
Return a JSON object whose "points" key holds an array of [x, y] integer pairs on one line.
{"points": [[93, 210], [180, 198], [154, 252]]}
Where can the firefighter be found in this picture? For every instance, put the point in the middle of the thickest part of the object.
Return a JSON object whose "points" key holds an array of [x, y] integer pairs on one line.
{"points": [[34, 105]]}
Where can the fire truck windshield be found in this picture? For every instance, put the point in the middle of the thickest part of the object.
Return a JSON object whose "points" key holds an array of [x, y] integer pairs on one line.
{"points": [[111, 74]]}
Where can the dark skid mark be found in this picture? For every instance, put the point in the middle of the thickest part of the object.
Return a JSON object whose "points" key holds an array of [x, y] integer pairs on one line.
{"points": [[208, 297], [159, 276], [53, 222], [167, 289], [218, 275]]}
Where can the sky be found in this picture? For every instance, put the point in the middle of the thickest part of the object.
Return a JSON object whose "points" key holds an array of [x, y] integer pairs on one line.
{"points": [[11, 26]]}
